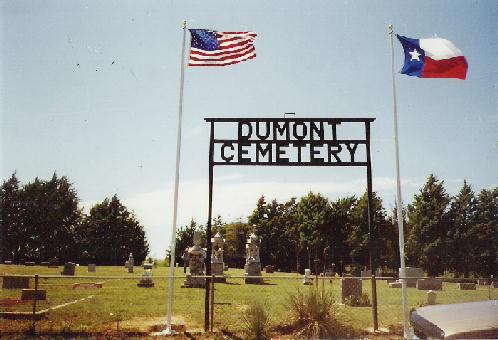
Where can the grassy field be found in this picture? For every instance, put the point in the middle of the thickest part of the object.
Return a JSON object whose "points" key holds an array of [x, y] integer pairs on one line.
{"points": [[140, 308]]}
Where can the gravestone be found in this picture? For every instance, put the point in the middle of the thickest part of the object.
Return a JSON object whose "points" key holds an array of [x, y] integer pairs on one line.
{"points": [[8, 262], [197, 256], [307, 280], [31, 294], [15, 282], [366, 274], [131, 263], [69, 269], [29, 263], [483, 282], [146, 279], [253, 263], [269, 269], [350, 287], [430, 284], [495, 284], [466, 286], [92, 268], [395, 284], [53, 262], [412, 272], [431, 297], [217, 243], [44, 263], [126, 264]]}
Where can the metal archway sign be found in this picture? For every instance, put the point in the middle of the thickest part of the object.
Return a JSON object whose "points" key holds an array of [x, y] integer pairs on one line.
{"points": [[289, 142]]}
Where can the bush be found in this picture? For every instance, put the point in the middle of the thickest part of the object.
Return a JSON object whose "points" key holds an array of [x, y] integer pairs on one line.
{"points": [[313, 314], [256, 321]]}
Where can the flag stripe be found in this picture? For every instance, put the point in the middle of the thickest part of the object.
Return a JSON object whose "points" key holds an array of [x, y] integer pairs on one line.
{"points": [[448, 68], [214, 55], [221, 58], [213, 63], [220, 48]]}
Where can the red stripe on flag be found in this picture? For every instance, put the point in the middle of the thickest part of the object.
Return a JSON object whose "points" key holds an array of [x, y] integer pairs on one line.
{"points": [[226, 63], [447, 68], [221, 58]]}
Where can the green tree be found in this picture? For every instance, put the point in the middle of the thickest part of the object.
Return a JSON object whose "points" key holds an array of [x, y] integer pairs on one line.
{"points": [[50, 218], [11, 226], [270, 221], [313, 216], [428, 219], [484, 234], [385, 241], [235, 236], [112, 233], [462, 214], [337, 239]]}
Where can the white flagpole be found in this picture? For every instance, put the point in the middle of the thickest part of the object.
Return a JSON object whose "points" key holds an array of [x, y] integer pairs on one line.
{"points": [[399, 207], [177, 178]]}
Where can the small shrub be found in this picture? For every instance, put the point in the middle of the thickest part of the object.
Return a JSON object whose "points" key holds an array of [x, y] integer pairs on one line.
{"points": [[313, 313], [358, 301], [256, 321]]}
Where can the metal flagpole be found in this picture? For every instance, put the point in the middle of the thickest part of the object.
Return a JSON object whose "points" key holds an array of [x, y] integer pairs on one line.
{"points": [[177, 178], [399, 207]]}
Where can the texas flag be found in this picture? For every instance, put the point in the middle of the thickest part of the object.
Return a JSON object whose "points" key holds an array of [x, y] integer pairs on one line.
{"points": [[432, 58]]}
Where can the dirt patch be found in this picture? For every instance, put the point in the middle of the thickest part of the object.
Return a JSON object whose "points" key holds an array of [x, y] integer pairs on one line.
{"points": [[156, 324], [13, 302]]}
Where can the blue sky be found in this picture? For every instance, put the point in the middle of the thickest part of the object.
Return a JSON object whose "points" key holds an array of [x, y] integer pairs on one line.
{"points": [[90, 89]]}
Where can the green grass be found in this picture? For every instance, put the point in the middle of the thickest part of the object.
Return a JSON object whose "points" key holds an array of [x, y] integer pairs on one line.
{"points": [[126, 301]]}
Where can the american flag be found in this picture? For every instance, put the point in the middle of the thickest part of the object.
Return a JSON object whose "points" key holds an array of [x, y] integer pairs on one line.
{"points": [[213, 48]]}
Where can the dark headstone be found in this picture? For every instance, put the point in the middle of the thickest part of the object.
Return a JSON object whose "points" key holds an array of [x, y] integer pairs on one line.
{"points": [[269, 269], [466, 286], [31, 294], [15, 282], [69, 269], [483, 282], [350, 287], [430, 284], [29, 263]]}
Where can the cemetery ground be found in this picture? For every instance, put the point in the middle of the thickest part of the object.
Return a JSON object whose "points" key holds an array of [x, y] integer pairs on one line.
{"points": [[120, 307]]}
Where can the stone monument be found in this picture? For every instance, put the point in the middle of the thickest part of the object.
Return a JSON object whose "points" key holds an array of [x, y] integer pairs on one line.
{"points": [[351, 288], [69, 268], [307, 280], [431, 297], [92, 268], [196, 255], [131, 263], [217, 257], [146, 279], [253, 263], [412, 274]]}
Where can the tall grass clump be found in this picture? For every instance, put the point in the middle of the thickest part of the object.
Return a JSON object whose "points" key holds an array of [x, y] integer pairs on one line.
{"points": [[256, 321], [313, 314]]}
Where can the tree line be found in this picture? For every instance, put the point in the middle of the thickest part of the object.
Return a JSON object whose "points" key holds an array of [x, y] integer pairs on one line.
{"points": [[442, 234], [41, 220]]}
